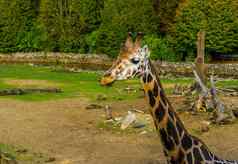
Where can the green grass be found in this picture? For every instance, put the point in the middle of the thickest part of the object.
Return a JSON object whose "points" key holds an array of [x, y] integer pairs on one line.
{"points": [[72, 84], [21, 155], [228, 83], [8, 150], [182, 81], [83, 84]]}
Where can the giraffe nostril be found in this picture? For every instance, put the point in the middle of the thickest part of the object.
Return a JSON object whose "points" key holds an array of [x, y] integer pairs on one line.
{"points": [[107, 74], [129, 72]]}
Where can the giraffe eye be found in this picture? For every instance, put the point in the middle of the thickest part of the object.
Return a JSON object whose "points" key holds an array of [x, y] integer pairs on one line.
{"points": [[135, 60]]}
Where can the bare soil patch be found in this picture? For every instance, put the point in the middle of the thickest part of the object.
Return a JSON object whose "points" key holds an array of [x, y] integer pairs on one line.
{"points": [[25, 83], [64, 129], [168, 86]]}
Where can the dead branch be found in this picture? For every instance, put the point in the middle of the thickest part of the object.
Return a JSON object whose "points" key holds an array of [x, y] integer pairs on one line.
{"points": [[204, 89], [219, 107], [200, 104], [216, 102]]}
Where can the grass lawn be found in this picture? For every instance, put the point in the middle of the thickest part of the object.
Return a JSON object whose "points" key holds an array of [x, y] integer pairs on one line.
{"points": [[85, 84], [72, 84]]}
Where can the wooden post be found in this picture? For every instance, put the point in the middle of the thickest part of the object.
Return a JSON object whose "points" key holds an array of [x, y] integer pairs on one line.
{"points": [[201, 45], [200, 66], [200, 72]]}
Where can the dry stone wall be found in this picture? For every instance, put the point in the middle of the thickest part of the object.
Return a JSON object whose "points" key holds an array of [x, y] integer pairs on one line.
{"points": [[185, 69], [102, 62], [92, 62]]}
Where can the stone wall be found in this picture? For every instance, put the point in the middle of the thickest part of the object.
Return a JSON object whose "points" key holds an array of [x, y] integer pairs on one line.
{"points": [[185, 69], [92, 62], [102, 62]]}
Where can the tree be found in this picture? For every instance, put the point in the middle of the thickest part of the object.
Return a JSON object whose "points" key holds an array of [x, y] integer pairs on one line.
{"points": [[17, 16], [68, 22], [119, 17], [49, 17], [63, 23], [166, 9], [91, 12], [219, 19]]}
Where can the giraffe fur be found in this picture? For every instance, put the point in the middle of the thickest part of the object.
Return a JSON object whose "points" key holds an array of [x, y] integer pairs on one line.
{"points": [[179, 146]]}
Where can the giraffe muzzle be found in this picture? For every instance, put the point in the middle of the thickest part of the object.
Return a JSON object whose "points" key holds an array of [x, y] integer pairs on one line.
{"points": [[107, 80]]}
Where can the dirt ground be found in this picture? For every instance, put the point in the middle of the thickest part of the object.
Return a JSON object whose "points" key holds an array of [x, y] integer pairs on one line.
{"points": [[64, 129], [30, 83]]}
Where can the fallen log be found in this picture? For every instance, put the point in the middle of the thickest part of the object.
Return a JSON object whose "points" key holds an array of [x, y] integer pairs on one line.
{"points": [[22, 91]]}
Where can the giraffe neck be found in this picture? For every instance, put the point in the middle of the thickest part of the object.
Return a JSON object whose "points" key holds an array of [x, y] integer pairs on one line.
{"points": [[167, 123], [179, 146]]}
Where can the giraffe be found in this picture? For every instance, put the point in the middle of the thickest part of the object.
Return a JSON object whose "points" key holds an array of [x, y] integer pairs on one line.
{"points": [[179, 146]]}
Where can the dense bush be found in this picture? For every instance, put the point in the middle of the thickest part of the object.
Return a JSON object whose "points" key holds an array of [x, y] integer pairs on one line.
{"points": [[32, 39], [90, 11], [160, 48], [119, 17], [63, 24], [17, 17], [166, 10], [219, 19], [69, 23]]}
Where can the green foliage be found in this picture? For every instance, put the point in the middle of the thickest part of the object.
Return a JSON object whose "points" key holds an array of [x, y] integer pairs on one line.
{"points": [[63, 25], [100, 26], [90, 10], [159, 48], [119, 17], [109, 42], [219, 19], [69, 23], [16, 17], [48, 15], [166, 10], [91, 42], [7, 38], [32, 39]]}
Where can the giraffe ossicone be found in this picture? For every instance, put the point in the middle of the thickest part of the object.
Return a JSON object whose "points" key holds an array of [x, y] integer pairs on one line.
{"points": [[179, 146]]}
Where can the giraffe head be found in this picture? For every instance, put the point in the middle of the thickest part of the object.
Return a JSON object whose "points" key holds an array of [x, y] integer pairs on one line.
{"points": [[130, 62]]}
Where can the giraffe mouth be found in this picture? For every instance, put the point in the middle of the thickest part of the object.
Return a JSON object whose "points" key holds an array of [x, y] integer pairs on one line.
{"points": [[107, 81], [139, 73]]}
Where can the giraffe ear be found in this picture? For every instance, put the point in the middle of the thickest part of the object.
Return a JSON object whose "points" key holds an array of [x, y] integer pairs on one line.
{"points": [[145, 51], [138, 40], [129, 41]]}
